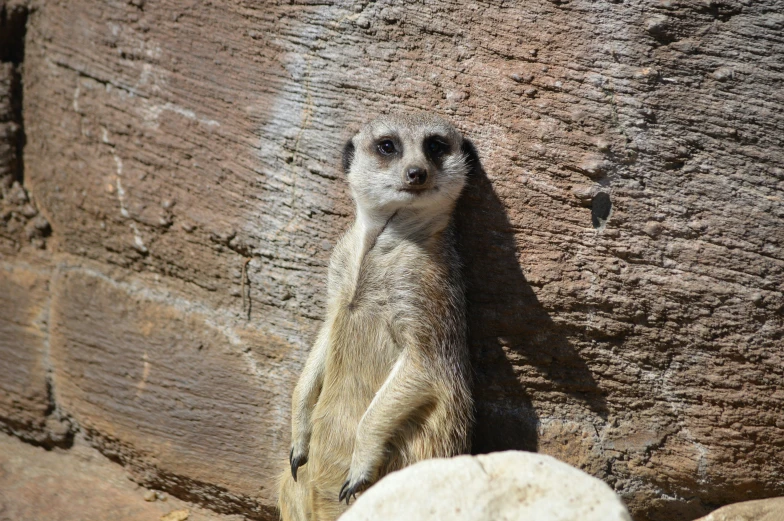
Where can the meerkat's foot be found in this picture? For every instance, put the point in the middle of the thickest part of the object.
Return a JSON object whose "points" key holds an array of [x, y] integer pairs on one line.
{"points": [[348, 489], [296, 462]]}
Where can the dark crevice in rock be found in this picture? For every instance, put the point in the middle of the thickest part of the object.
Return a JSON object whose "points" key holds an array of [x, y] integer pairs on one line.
{"points": [[17, 97], [20, 220], [13, 26], [53, 434], [600, 209]]}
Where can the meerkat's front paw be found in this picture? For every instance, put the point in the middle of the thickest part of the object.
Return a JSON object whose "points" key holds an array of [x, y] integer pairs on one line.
{"points": [[362, 472], [352, 488], [296, 460]]}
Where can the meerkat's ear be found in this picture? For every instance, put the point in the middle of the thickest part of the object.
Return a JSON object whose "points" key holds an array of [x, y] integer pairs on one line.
{"points": [[472, 156], [348, 155]]}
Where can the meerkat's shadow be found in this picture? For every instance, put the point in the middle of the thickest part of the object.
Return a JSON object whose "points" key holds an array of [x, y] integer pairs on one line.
{"points": [[507, 324]]}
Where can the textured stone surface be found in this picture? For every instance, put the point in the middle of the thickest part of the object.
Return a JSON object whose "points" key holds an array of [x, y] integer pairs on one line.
{"points": [[503, 486], [77, 485], [20, 221], [187, 155], [24, 301], [760, 510], [193, 405]]}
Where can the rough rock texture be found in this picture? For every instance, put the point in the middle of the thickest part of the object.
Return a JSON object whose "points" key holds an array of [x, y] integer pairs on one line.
{"points": [[624, 242], [79, 485], [26, 406], [24, 400], [760, 510], [20, 221], [503, 486], [169, 389]]}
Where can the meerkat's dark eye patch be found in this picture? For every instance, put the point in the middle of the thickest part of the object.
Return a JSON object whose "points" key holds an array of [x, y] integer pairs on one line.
{"points": [[436, 147], [386, 147], [348, 155], [471, 156]]}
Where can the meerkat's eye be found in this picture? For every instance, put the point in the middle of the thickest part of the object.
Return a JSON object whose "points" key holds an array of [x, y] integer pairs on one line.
{"points": [[386, 147]]}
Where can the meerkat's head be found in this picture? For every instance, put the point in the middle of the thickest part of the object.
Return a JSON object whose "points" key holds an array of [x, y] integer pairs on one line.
{"points": [[418, 162]]}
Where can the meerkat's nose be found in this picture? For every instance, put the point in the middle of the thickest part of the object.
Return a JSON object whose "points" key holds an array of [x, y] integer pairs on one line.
{"points": [[416, 176]]}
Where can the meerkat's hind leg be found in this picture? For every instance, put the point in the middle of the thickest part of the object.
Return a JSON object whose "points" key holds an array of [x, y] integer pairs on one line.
{"points": [[293, 497]]}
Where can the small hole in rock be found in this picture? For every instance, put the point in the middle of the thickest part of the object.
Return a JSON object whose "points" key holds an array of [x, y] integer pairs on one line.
{"points": [[600, 209]]}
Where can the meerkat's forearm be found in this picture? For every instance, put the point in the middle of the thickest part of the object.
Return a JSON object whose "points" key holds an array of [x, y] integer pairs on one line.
{"points": [[307, 391], [404, 391]]}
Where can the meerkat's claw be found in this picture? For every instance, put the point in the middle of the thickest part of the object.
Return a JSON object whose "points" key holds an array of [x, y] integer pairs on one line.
{"points": [[347, 491], [342, 494], [296, 462]]}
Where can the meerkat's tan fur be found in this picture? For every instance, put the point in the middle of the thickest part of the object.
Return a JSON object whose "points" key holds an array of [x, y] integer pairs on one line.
{"points": [[387, 382]]}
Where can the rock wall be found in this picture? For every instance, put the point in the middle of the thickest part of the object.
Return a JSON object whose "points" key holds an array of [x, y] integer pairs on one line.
{"points": [[164, 235]]}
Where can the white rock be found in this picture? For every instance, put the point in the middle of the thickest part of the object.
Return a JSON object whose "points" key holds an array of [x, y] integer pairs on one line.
{"points": [[502, 486], [761, 510]]}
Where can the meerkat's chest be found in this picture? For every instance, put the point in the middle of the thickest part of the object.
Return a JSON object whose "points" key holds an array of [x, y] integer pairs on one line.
{"points": [[362, 347], [363, 309], [367, 283]]}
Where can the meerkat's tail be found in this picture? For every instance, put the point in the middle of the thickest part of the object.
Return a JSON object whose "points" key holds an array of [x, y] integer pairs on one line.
{"points": [[293, 496]]}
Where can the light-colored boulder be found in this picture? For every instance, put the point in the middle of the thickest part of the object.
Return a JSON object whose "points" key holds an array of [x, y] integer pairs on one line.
{"points": [[500, 486], [761, 510]]}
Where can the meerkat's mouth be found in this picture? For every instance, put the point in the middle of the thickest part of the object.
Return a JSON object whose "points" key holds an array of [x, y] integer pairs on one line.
{"points": [[418, 191]]}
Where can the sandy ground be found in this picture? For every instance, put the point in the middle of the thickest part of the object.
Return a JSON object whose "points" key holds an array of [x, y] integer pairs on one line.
{"points": [[80, 484]]}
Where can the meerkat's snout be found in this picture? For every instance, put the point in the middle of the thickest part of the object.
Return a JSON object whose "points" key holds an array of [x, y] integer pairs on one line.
{"points": [[415, 176]]}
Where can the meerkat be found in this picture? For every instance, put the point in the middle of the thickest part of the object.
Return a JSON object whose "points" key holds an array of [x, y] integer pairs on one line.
{"points": [[387, 381]]}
